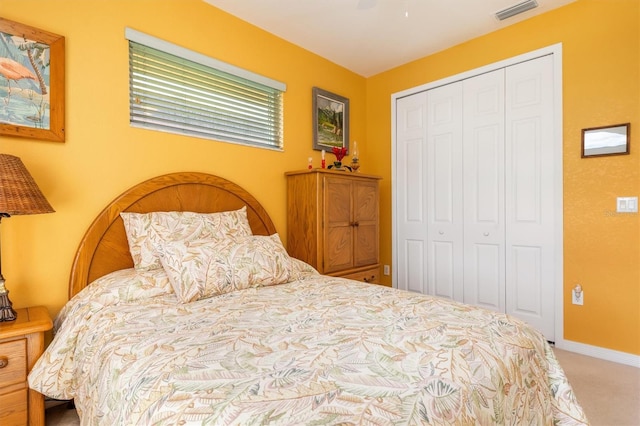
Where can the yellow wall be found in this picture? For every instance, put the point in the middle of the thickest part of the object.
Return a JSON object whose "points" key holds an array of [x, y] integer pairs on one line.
{"points": [[601, 48], [103, 156]]}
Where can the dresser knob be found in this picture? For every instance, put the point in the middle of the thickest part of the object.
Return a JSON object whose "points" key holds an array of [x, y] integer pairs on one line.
{"points": [[4, 361]]}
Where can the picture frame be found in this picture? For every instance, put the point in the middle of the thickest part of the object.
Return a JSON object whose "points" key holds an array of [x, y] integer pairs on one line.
{"points": [[32, 82], [606, 140], [330, 120]]}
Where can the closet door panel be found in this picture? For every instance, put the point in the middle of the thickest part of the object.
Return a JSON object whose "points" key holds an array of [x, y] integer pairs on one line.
{"points": [[411, 196], [526, 171], [444, 191], [443, 263], [527, 279], [487, 261], [531, 171], [483, 157], [413, 267]]}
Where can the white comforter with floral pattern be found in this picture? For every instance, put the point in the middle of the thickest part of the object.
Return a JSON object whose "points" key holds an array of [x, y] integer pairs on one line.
{"points": [[318, 350]]}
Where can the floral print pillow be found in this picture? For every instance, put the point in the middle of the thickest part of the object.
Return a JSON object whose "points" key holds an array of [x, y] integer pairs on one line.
{"points": [[146, 230], [199, 269]]}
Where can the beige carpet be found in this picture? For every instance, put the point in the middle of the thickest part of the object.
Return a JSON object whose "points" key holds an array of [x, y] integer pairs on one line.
{"points": [[608, 392]]}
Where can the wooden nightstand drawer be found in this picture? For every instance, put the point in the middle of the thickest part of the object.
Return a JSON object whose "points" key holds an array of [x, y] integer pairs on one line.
{"points": [[13, 408], [13, 362], [21, 343]]}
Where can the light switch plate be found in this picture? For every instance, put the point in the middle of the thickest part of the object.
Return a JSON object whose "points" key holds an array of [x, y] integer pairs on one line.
{"points": [[627, 205]]}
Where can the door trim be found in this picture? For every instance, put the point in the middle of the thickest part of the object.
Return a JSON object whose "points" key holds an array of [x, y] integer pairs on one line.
{"points": [[556, 51]]}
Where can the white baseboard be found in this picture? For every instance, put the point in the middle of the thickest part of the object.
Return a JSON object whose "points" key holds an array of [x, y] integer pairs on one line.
{"points": [[601, 353]]}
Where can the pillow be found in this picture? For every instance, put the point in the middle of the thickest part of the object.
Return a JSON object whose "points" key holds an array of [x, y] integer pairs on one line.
{"points": [[199, 269], [145, 230]]}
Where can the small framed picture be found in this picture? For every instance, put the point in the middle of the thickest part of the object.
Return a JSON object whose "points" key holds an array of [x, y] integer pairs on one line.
{"points": [[330, 120], [606, 140]]}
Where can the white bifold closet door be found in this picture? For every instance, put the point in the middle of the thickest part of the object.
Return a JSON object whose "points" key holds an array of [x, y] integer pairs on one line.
{"points": [[483, 170], [411, 193], [530, 193], [475, 192]]}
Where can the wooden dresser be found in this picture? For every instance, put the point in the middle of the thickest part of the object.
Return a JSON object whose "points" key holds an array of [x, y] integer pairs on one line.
{"points": [[21, 344], [333, 222]]}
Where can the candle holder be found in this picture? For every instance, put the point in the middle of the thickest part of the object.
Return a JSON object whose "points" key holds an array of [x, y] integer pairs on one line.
{"points": [[355, 164], [355, 160]]}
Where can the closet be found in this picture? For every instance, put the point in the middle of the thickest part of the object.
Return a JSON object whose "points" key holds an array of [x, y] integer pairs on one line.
{"points": [[476, 196]]}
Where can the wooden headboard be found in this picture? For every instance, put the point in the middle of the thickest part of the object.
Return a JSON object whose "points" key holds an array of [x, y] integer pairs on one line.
{"points": [[104, 247]]}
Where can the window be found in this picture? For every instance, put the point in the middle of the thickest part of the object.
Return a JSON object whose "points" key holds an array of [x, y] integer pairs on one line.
{"points": [[176, 90]]}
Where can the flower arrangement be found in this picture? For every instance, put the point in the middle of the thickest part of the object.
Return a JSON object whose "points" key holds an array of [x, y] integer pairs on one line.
{"points": [[339, 152]]}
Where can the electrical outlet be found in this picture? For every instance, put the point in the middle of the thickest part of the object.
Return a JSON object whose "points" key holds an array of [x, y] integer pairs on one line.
{"points": [[386, 270], [577, 295]]}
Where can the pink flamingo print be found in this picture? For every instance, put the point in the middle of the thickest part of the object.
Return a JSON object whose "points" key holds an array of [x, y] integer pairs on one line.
{"points": [[12, 70]]}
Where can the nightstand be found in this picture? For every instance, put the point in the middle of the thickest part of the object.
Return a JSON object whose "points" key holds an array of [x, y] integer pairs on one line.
{"points": [[21, 343]]}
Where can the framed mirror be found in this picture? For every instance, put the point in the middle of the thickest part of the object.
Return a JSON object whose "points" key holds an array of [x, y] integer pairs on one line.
{"points": [[606, 140]]}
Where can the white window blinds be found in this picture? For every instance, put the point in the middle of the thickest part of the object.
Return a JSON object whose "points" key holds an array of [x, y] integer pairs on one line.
{"points": [[176, 90]]}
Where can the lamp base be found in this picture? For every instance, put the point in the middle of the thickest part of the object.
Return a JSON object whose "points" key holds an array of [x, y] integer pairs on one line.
{"points": [[7, 313]]}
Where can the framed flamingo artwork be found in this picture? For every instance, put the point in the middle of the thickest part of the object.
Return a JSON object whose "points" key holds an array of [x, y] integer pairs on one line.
{"points": [[31, 82]]}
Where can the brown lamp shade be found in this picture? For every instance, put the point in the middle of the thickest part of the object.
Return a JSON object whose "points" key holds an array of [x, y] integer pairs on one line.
{"points": [[19, 193]]}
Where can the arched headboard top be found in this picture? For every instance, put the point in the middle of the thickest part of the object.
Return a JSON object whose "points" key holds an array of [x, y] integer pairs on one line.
{"points": [[104, 247]]}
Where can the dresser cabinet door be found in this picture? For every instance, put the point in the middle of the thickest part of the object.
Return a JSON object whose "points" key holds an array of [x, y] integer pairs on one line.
{"points": [[338, 224], [351, 223], [365, 215]]}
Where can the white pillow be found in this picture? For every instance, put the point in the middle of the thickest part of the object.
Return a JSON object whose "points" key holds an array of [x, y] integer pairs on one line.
{"points": [[199, 269], [146, 230]]}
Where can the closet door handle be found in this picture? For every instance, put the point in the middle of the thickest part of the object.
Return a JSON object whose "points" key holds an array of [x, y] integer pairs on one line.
{"points": [[441, 232], [486, 234], [356, 224]]}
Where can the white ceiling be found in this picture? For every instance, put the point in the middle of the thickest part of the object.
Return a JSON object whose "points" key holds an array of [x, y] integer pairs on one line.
{"points": [[371, 36]]}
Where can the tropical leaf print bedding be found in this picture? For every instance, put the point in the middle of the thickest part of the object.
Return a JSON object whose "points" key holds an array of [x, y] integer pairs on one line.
{"points": [[319, 350]]}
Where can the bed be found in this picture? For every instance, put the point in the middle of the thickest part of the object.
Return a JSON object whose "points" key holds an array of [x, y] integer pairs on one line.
{"points": [[268, 340]]}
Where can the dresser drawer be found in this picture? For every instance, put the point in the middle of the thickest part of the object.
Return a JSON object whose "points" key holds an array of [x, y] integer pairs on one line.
{"points": [[13, 362], [13, 408], [368, 275]]}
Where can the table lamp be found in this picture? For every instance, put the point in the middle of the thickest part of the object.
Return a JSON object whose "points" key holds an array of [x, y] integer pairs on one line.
{"points": [[19, 194]]}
